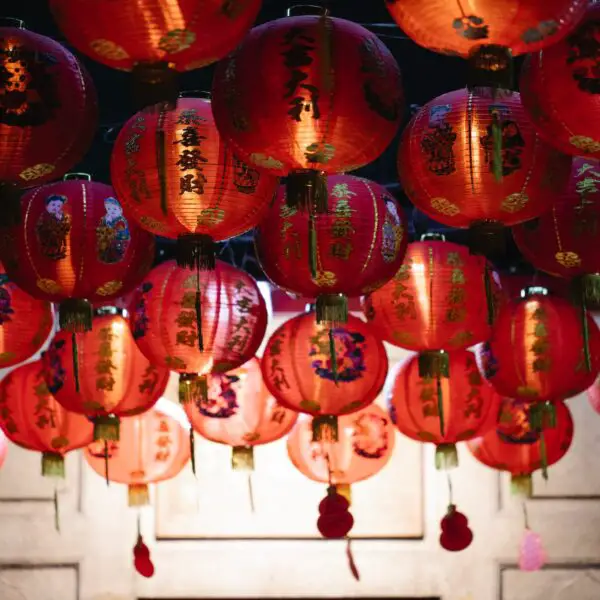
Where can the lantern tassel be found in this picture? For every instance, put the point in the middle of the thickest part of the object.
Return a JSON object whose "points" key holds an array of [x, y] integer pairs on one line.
{"points": [[521, 485], [312, 246], [351, 561], [325, 428], [193, 388], [489, 295], [107, 427], [196, 251], [10, 201], [440, 405], [446, 457], [75, 360], [497, 145], [161, 163], [198, 306], [242, 458], [434, 363], [106, 463], [543, 455], [590, 289], [307, 190], [75, 315], [585, 330], [56, 511], [138, 494], [490, 65], [154, 83], [332, 309], [486, 238], [193, 451], [333, 356]]}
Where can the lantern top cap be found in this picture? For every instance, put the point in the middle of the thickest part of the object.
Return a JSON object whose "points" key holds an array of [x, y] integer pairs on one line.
{"points": [[433, 237], [83, 176], [534, 290], [201, 94], [110, 310], [12, 22], [307, 9]]}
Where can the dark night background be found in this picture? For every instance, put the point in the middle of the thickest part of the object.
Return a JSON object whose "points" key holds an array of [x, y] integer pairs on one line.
{"points": [[425, 74]]}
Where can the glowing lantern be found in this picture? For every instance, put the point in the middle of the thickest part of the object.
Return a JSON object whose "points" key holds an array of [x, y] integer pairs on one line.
{"points": [[177, 178], [307, 96], [442, 411], [541, 349], [32, 418], [152, 447], [198, 325], [474, 160], [520, 446], [75, 246], [112, 377], [240, 412], [324, 372], [354, 249]]}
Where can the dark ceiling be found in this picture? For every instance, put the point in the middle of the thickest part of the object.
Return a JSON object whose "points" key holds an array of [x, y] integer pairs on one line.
{"points": [[426, 75]]}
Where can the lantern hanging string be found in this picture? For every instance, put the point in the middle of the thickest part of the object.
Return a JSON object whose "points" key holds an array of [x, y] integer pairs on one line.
{"points": [[106, 463], [192, 450], [75, 352], [56, 509], [198, 307]]}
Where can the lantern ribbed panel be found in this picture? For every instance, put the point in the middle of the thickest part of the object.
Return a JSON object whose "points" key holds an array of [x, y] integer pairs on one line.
{"points": [[176, 175], [308, 92], [470, 403], [153, 447], [561, 77], [48, 108], [536, 350], [365, 445], [447, 161], [239, 410], [437, 300], [515, 447], [360, 243], [233, 318], [296, 366], [32, 418], [457, 27], [563, 240], [25, 323], [185, 33], [115, 377], [75, 242]]}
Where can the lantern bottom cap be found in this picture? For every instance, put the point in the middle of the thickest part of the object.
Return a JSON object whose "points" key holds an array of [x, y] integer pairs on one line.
{"points": [[196, 251], [521, 485], [446, 457], [107, 428], [53, 465], [138, 494]]}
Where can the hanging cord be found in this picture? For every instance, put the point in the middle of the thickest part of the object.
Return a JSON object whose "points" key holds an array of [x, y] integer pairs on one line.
{"points": [[192, 450], [106, 463], [75, 360], [450, 496], [251, 493], [525, 515], [56, 509], [198, 306]]}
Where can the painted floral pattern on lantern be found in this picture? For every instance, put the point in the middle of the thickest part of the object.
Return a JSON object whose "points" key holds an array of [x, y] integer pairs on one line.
{"points": [[393, 231], [513, 142], [222, 397], [489, 363], [245, 178], [438, 143], [350, 349], [370, 436], [53, 228], [112, 233], [56, 373], [6, 309], [541, 31], [471, 27], [584, 56], [140, 320], [514, 425]]}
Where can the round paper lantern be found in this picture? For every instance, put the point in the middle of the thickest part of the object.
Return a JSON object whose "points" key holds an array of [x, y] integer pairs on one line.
{"points": [[442, 298], [364, 446], [198, 325], [25, 323], [563, 76], [520, 446], [311, 257], [240, 412], [32, 418], [324, 371], [48, 108], [152, 447], [562, 241], [308, 95], [474, 160], [177, 178], [155, 39], [3, 447], [541, 349], [440, 410], [109, 376], [75, 246]]}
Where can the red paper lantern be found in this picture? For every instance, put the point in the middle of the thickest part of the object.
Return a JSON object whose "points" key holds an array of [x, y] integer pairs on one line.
{"points": [[562, 241], [111, 377], [312, 257], [25, 323], [442, 298], [364, 446], [182, 34], [240, 412], [198, 325], [324, 371], [473, 159], [441, 410], [177, 178], [306, 96], [48, 108], [152, 447], [561, 77], [75, 246], [32, 418], [540, 350], [516, 444]]}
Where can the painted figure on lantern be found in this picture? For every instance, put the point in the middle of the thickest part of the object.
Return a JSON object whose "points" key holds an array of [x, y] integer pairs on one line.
{"points": [[221, 401], [56, 373], [53, 228], [393, 231], [512, 144], [112, 233], [139, 322], [349, 355], [584, 53], [5, 307]]}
